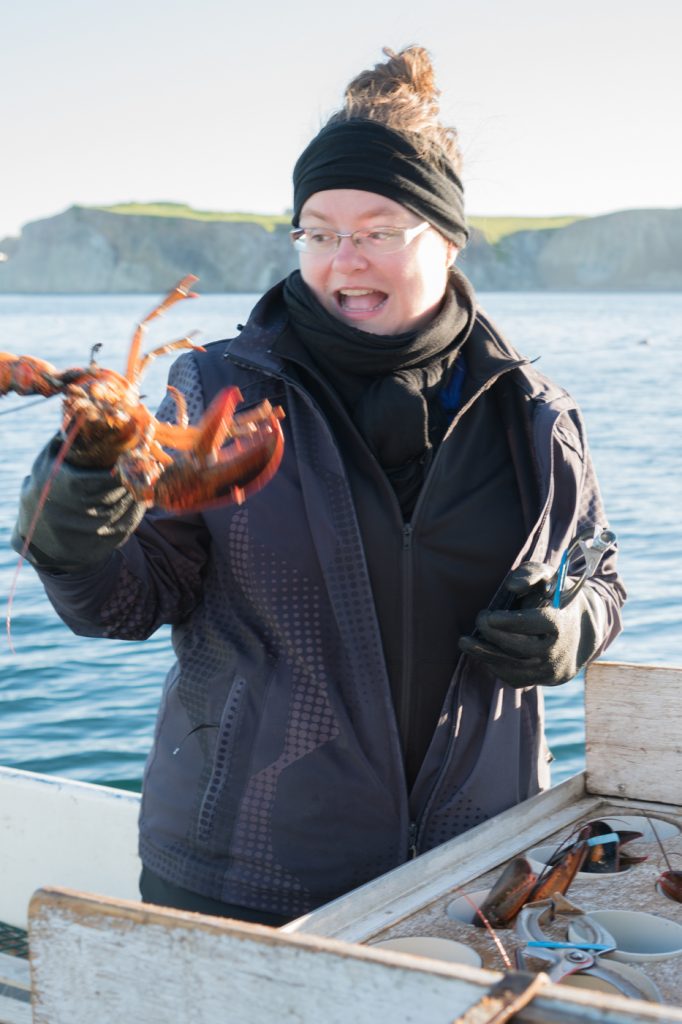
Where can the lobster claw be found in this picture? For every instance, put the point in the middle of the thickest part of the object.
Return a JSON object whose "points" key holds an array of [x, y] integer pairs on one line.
{"points": [[669, 883], [561, 873], [27, 375], [518, 884], [510, 892], [608, 856], [231, 456]]}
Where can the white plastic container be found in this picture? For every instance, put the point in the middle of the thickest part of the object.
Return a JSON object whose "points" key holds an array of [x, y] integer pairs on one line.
{"points": [[639, 937]]}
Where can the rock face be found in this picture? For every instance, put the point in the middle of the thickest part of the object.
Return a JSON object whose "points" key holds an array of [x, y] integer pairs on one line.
{"points": [[636, 250], [84, 250], [94, 251]]}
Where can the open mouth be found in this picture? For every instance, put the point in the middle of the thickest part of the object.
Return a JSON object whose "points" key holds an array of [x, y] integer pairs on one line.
{"points": [[360, 301]]}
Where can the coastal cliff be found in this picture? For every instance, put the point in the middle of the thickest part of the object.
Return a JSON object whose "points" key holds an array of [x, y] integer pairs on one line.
{"points": [[87, 250], [634, 250], [95, 251]]}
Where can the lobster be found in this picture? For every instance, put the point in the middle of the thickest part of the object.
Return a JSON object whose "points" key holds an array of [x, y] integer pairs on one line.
{"points": [[518, 885], [597, 849], [669, 882], [223, 458]]}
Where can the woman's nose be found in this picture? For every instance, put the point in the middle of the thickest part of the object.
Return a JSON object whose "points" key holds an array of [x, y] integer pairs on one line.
{"points": [[349, 256]]}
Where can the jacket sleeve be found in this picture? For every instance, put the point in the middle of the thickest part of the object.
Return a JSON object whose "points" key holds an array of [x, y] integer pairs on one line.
{"points": [[153, 578], [606, 583]]}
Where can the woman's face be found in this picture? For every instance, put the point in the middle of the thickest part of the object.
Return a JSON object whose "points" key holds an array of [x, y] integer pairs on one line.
{"points": [[382, 294]]}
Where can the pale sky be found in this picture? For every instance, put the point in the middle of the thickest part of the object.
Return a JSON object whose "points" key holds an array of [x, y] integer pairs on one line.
{"points": [[561, 107]]}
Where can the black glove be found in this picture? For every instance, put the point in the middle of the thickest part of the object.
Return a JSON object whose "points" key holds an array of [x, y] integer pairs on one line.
{"points": [[529, 645], [88, 513]]}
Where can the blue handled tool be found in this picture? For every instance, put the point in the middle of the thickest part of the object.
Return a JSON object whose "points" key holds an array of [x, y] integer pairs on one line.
{"points": [[592, 546]]}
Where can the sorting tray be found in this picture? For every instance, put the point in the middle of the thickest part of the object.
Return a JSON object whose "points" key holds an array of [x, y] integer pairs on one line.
{"points": [[632, 890], [629, 772]]}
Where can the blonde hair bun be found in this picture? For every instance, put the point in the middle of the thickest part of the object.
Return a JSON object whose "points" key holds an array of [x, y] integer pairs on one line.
{"points": [[401, 93]]}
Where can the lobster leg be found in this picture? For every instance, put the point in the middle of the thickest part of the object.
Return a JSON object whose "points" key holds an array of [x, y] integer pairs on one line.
{"points": [[181, 291], [162, 350], [181, 416]]}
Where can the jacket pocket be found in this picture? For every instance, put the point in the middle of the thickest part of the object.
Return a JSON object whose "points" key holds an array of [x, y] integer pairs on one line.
{"points": [[223, 754]]}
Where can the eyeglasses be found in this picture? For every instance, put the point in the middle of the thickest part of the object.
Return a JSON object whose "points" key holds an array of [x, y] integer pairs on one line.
{"points": [[380, 241]]}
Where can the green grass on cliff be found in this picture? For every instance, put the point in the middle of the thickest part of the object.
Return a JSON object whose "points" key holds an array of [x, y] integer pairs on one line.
{"points": [[266, 220], [493, 228]]}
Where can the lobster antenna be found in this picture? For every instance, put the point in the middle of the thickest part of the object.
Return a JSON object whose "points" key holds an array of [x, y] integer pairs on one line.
{"points": [[59, 459], [491, 931], [25, 405], [660, 844]]}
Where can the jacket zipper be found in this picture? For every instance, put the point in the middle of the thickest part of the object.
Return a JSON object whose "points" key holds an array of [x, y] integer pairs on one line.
{"points": [[406, 687], [412, 840]]}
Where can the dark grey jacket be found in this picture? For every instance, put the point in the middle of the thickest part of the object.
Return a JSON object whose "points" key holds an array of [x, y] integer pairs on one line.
{"points": [[276, 778]]}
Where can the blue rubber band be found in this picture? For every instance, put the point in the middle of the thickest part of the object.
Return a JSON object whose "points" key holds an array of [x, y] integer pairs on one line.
{"points": [[568, 945]]}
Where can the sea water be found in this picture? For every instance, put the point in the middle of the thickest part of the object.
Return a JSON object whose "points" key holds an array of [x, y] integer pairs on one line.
{"points": [[85, 708]]}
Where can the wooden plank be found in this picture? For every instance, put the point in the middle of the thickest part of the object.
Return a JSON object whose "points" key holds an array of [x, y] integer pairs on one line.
{"points": [[14, 1012], [96, 961], [632, 724], [14, 971], [15, 988], [56, 831], [370, 909]]}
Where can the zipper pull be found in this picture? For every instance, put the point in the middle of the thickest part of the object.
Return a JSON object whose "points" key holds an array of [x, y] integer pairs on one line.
{"points": [[412, 840]]}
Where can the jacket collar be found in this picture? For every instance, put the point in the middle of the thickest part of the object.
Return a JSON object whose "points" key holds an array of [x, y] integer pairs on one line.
{"points": [[254, 345], [493, 349]]}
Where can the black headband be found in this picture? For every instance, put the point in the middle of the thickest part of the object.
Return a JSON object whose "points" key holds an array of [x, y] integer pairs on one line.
{"points": [[369, 156]]}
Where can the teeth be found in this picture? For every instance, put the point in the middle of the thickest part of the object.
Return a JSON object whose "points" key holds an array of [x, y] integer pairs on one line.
{"points": [[356, 291]]}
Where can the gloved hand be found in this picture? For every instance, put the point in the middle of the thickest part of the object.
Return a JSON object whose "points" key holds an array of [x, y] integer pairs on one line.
{"points": [[88, 513], [530, 645]]}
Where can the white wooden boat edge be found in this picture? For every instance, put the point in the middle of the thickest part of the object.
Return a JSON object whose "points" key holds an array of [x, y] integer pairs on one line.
{"points": [[269, 977], [15, 988], [58, 831], [14, 972], [60, 782], [12, 1012]]}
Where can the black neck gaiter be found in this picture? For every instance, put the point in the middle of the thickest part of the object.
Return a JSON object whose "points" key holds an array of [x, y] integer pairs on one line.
{"points": [[389, 383]]}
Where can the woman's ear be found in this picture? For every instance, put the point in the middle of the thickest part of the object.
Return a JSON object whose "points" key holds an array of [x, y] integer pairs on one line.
{"points": [[452, 254]]}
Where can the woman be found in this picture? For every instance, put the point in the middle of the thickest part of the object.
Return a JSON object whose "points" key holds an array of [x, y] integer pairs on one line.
{"points": [[344, 695]]}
